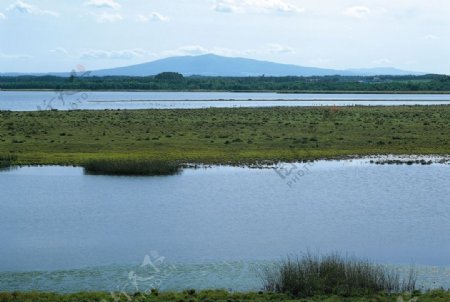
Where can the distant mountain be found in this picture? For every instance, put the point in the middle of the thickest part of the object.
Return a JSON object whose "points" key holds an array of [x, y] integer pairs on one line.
{"points": [[214, 65]]}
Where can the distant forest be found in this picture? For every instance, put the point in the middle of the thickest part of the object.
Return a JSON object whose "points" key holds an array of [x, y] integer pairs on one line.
{"points": [[176, 82]]}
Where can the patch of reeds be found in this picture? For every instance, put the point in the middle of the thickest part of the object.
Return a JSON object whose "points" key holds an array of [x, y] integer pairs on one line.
{"points": [[408, 162], [311, 275], [131, 167], [7, 161]]}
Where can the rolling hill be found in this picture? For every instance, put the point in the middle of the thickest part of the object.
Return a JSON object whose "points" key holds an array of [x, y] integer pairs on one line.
{"points": [[214, 65]]}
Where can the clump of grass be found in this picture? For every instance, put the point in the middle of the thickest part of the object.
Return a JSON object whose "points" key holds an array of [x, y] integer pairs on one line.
{"points": [[312, 275], [131, 167], [7, 161]]}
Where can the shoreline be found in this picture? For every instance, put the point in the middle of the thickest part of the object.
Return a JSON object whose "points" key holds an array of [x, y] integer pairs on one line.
{"points": [[296, 166], [445, 102], [244, 91], [374, 159], [384, 159]]}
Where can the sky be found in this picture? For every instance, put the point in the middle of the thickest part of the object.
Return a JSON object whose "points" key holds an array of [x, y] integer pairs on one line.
{"points": [[62, 35]]}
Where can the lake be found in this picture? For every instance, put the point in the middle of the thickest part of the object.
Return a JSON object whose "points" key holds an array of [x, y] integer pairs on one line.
{"points": [[41, 100], [62, 230]]}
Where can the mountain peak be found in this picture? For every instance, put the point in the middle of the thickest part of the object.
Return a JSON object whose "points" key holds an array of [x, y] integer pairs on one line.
{"points": [[211, 64]]}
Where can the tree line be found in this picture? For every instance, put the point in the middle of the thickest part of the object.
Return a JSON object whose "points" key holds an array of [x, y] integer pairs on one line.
{"points": [[176, 82]]}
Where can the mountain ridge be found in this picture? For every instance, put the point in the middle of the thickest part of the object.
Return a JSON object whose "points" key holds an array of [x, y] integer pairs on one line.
{"points": [[215, 65]]}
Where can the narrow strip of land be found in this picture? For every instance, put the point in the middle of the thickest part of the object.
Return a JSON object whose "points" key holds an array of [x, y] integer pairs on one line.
{"points": [[217, 295], [232, 135]]}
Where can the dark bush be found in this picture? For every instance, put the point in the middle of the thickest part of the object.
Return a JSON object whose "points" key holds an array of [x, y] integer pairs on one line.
{"points": [[131, 167]]}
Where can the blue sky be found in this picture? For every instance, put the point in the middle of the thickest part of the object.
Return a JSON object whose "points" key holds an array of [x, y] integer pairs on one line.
{"points": [[50, 35]]}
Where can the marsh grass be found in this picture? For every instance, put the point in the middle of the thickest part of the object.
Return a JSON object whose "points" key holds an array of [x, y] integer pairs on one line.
{"points": [[7, 161], [131, 167], [332, 274], [224, 135]]}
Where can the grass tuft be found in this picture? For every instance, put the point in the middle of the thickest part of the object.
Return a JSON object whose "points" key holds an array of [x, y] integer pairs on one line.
{"points": [[7, 161], [332, 274], [131, 167]]}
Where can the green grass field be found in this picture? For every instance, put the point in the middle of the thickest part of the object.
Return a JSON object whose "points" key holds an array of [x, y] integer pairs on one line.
{"points": [[223, 296], [233, 135]]}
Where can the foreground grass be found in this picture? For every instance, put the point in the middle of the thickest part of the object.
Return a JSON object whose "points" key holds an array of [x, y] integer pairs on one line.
{"points": [[218, 295], [232, 135]]}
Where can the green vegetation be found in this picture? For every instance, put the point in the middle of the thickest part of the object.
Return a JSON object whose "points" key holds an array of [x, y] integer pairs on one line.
{"points": [[7, 160], [169, 76], [408, 162], [223, 136], [217, 295], [176, 82], [131, 167], [313, 275]]}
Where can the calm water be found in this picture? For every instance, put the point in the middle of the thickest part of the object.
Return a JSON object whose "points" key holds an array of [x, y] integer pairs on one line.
{"points": [[66, 231], [35, 100]]}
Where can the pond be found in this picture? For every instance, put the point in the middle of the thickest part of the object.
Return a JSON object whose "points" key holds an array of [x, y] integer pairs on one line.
{"points": [[99, 100], [62, 230]]}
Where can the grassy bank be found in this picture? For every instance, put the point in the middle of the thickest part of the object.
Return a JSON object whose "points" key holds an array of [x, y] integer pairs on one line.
{"points": [[223, 296], [233, 135]]}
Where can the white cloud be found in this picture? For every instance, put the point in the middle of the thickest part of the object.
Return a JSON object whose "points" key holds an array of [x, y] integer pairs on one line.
{"points": [[225, 6], [188, 50], [431, 37], [277, 6], [21, 7], [60, 50], [153, 16], [26, 8], [103, 4], [105, 17], [127, 54], [279, 49], [2, 16], [14, 56], [194, 50], [359, 12], [274, 5]]}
